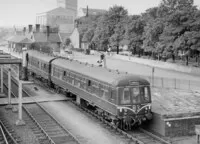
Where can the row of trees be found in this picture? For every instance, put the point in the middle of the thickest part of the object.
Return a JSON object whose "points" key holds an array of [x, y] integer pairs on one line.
{"points": [[161, 31]]}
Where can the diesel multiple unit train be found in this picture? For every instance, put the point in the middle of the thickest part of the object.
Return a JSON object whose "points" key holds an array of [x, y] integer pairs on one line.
{"points": [[121, 98]]}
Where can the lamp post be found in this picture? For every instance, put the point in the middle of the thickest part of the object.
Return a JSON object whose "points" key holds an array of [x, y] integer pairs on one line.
{"points": [[152, 77]]}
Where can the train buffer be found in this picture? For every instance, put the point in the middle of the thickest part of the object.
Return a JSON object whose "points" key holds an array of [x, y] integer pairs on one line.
{"points": [[197, 130]]}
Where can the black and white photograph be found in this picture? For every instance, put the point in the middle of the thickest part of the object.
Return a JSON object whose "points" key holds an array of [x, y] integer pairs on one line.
{"points": [[100, 72]]}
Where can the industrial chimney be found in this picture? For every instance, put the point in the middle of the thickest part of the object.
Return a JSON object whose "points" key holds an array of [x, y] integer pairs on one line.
{"points": [[37, 28], [30, 28], [48, 32], [87, 11], [24, 30]]}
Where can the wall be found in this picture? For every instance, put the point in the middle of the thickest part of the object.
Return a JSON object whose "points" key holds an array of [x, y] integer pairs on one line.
{"points": [[75, 39]]}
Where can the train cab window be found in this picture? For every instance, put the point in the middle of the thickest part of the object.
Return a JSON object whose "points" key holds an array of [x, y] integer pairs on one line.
{"points": [[135, 92], [126, 99], [145, 93]]}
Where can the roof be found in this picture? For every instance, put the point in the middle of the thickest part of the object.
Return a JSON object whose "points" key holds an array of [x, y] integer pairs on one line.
{"points": [[110, 77], [40, 55], [93, 11], [56, 10], [42, 37], [19, 39]]}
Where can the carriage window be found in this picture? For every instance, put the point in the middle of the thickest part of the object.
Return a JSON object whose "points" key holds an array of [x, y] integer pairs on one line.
{"points": [[89, 82], [126, 99], [64, 73], [145, 93]]}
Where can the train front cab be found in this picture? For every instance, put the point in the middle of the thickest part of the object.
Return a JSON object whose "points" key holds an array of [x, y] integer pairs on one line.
{"points": [[134, 104]]}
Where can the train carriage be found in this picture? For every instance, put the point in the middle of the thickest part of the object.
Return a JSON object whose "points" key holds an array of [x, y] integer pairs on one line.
{"points": [[39, 63], [116, 94], [119, 97]]}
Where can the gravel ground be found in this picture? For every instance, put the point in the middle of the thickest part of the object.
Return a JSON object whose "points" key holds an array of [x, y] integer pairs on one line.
{"points": [[175, 102], [24, 132], [85, 128]]}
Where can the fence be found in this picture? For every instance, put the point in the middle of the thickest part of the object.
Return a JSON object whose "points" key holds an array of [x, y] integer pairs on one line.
{"points": [[171, 83]]}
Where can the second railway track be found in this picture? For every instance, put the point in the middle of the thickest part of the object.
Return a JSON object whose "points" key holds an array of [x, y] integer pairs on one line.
{"points": [[46, 128]]}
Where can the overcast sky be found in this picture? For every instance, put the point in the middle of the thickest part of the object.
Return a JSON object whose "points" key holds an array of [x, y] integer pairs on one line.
{"points": [[23, 12]]}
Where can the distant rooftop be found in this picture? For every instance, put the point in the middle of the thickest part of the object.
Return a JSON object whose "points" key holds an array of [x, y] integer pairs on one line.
{"points": [[42, 37], [93, 11]]}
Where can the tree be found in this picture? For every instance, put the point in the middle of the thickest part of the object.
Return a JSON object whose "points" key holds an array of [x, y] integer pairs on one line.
{"points": [[67, 41], [109, 30], [134, 33]]}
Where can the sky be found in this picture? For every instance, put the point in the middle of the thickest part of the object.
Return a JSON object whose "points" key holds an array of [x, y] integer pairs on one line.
{"points": [[23, 12]]}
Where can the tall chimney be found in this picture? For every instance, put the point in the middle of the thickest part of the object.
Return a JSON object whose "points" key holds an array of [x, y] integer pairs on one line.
{"points": [[48, 32], [30, 28], [37, 27], [87, 11], [24, 30]]}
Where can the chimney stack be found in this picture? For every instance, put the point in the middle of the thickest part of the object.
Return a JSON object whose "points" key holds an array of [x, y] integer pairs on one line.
{"points": [[37, 28], [76, 23], [87, 11], [24, 30], [30, 28], [48, 32]]}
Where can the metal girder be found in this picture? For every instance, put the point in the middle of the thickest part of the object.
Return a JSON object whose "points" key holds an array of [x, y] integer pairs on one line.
{"points": [[10, 61]]}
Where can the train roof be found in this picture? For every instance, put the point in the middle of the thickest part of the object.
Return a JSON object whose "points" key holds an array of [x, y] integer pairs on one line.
{"points": [[111, 77], [40, 55]]}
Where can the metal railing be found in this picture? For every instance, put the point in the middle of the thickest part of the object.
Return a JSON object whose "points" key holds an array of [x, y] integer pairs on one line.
{"points": [[173, 83]]}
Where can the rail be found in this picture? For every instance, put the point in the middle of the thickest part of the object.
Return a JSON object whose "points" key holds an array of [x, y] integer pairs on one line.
{"points": [[8, 133], [4, 137], [51, 141]]}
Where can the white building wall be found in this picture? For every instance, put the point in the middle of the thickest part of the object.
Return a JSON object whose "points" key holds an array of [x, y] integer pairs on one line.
{"points": [[62, 18], [75, 38]]}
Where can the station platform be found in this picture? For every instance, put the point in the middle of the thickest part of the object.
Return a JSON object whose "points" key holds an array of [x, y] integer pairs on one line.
{"points": [[37, 95], [175, 112]]}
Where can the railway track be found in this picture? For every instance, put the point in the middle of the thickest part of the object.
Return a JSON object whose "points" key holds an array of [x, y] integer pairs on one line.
{"points": [[138, 136], [3, 139], [47, 129], [7, 134]]}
